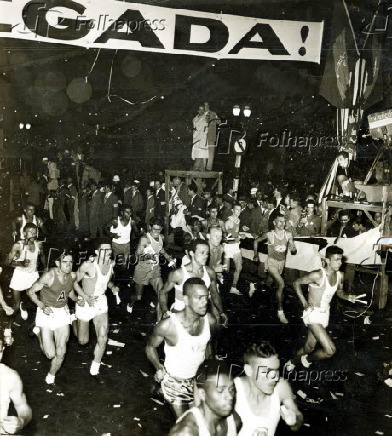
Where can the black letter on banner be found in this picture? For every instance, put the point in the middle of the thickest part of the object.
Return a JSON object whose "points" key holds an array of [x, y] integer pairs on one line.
{"points": [[146, 39], [270, 40], [34, 16], [219, 34]]}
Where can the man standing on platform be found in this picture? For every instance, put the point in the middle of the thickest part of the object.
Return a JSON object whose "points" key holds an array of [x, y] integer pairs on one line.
{"points": [[213, 122], [200, 145]]}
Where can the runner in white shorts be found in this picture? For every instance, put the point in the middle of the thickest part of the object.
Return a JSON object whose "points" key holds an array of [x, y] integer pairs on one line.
{"points": [[23, 257], [53, 317], [147, 270], [198, 252], [92, 304], [322, 284]]}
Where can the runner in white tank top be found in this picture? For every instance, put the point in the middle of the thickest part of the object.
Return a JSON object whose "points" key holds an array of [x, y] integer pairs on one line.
{"points": [[92, 304], [120, 232], [186, 335], [27, 217], [199, 252], [322, 285], [214, 414], [23, 257], [262, 397]]}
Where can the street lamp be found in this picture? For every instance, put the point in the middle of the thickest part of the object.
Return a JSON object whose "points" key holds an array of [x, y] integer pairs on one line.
{"points": [[239, 146]]}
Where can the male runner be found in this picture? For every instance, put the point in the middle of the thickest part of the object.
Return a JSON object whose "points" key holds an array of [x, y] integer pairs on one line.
{"points": [[322, 285], [186, 335], [262, 396], [120, 232], [53, 317], [147, 270], [232, 246], [198, 252], [96, 277], [278, 242], [23, 257], [11, 390], [28, 216], [215, 415]]}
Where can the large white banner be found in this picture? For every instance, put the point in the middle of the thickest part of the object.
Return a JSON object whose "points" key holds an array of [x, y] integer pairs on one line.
{"points": [[133, 26]]}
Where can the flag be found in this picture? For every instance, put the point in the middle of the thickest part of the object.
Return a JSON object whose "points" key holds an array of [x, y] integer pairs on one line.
{"points": [[337, 84]]}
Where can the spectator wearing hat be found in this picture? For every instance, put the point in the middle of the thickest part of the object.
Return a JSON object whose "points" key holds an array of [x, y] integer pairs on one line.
{"points": [[136, 200], [160, 202], [110, 204]]}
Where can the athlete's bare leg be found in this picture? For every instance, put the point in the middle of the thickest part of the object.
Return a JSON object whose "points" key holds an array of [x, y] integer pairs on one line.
{"points": [[237, 258], [83, 332], [278, 279], [101, 324]]}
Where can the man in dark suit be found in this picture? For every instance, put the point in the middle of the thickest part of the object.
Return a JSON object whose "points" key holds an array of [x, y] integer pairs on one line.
{"points": [[136, 201], [160, 202], [109, 206], [95, 210], [197, 204], [342, 228]]}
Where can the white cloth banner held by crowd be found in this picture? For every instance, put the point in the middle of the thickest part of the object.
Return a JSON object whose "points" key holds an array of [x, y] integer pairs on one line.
{"points": [[132, 26]]}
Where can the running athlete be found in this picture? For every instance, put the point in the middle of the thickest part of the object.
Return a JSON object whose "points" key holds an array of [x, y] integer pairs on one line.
{"points": [[198, 252], [120, 231], [11, 390], [186, 335], [92, 303], [262, 396], [147, 270], [278, 242], [215, 415], [23, 257], [53, 318], [322, 285], [29, 216], [232, 248]]}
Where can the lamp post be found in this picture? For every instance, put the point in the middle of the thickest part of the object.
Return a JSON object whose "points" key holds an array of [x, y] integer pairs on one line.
{"points": [[24, 126], [240, 145]]}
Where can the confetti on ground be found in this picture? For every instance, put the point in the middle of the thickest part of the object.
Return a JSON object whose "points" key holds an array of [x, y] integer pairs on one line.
{"points": [[360, 374], [388, 382], [116, 331], [302, 394], [115, 343], [139, 424], [116, 405], [388, 416], [34, 369], [333, 396], [109, 352], [60, 394], [105, 364], [157, 401], [136, 419], [48, 390], [143, 373], [306, 424], [143, 334], [46, 416], [376, 338], [339, 394], [379, 432], [18, 325], [152, 304]]}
